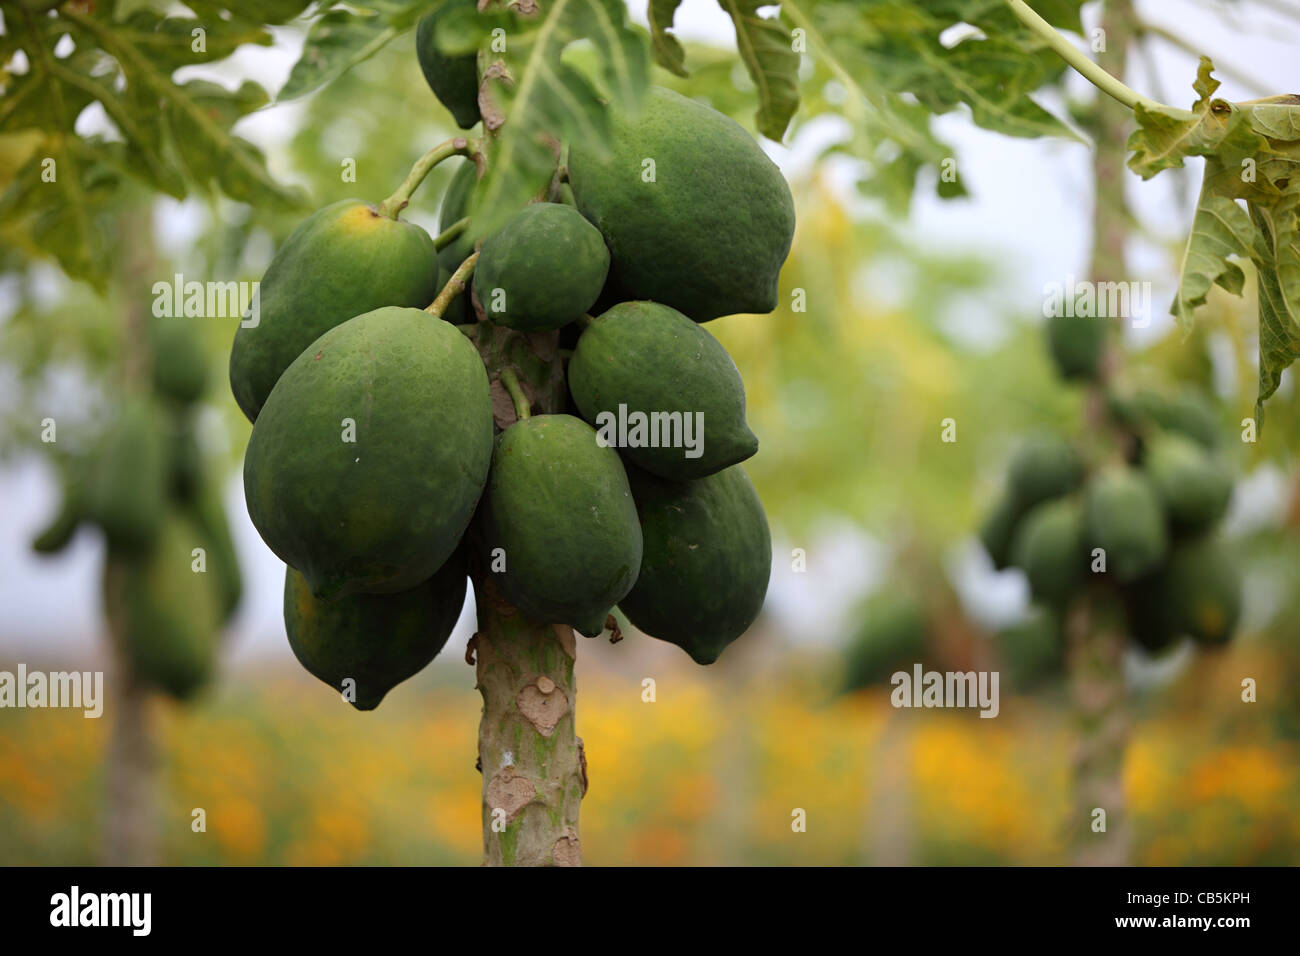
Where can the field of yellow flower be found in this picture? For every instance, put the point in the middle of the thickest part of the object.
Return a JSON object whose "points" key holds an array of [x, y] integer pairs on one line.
{"points": [[712, 772]]}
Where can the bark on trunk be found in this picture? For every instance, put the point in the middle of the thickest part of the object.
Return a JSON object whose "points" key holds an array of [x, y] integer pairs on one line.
{"points": [[534, 770], [133, 800]]}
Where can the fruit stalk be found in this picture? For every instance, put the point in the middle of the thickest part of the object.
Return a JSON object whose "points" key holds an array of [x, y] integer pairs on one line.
{"points": [[455, 286], [534, 770], [395, 203]]}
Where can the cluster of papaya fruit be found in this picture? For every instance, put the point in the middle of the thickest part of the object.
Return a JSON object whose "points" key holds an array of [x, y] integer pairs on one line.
{"points": [[171, 578], [1143, 524], [380, 470]]}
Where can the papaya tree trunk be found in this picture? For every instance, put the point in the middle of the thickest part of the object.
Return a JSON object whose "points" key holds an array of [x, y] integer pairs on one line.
{"points": [[534, 770], [1096, 637], [133, 800]]}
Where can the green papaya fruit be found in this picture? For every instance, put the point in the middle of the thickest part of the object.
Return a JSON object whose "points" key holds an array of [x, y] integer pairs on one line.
{"points": [[646, 359], [891, 637], [707, 560], [126, 490], [1151, 625], [1049, 547], [543, 268], [708, 233], [1077, 344], [344, 260], [180, 363], [453, 79], [1192, 486], [457, 203], [365, 465], [59, 531], [1045, 466], [209, 517], [163, 611], [559, 528], [1197, 592], [1185, 411], [375, 640], [184, 461], [1123, 517], [998, 530], [1031, 651]]}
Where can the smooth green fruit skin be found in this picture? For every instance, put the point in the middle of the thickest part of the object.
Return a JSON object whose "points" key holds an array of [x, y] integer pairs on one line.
{"points": [[1124, 518], [709, 234], [1193, 488], [707, 560], [377, 640], [1198, 592], [892, 637], [1045, 466], [651, 358], [559, 507], [453, 79], [456, 204], [184, 461], [542, 269], [209, 517], [180, 364], [1049, 547], [126, 492], [382, 513], [1032, 650], [1186, 411], [1076, 344], [998, 530], [343, 261], [169, 612]]}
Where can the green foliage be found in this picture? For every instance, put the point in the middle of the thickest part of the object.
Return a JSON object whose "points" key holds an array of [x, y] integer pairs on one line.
{"points": [[559, 532], [367, 460], [1262, 135], [165, 613], [174, 137], [1049, 547], [649, 358], [374, 640], [1125, 520], [706, 564], [343, 260], [543, 269], [453, 79], [724, 204]]}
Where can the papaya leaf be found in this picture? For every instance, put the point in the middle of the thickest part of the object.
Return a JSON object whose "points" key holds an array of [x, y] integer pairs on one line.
{"points": [[767, 50], [668, 52], [335, 43], [1221, 229], [532, 100], [1279, 335]]}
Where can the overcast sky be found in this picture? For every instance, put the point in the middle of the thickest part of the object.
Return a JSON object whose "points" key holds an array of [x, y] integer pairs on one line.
{"points": [[1021, 190]]}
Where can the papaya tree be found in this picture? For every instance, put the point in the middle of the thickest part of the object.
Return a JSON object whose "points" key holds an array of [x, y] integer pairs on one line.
{"points": [[530, 398]]}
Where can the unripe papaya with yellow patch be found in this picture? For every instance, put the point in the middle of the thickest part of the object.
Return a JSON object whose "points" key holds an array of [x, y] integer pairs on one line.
{"points": [[371, 452], [374, 640], [694, 213], [344, 260], [1198, 592]]}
